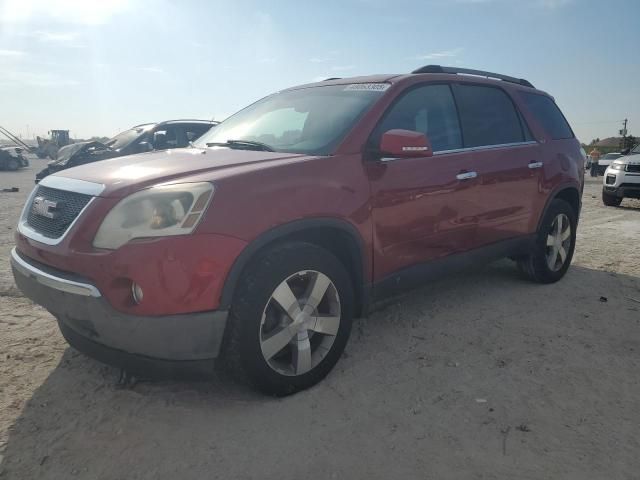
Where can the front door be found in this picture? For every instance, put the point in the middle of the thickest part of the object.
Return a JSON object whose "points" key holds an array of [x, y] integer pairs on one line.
{"points": [[422, 208]]}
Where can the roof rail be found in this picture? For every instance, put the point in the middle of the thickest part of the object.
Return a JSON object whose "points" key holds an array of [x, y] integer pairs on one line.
{"points": [[188, 120], [331, 78], [468, 71]]}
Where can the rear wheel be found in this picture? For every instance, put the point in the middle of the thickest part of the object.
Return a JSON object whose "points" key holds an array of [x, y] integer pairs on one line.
{"points": [[611, 200], [552, 251], [290, 319]]}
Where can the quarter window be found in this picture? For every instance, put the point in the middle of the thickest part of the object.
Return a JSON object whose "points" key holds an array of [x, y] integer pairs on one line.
{"points": [[549, 115], [487, 116], [429, 110]]}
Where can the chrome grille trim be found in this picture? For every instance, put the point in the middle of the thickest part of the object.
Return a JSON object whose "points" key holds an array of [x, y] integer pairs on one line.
{"points": [[73, 185], [59, 183]]}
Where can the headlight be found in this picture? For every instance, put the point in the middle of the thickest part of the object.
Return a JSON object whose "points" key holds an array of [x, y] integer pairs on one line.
{"points": [[617, 166], [156, 212]]}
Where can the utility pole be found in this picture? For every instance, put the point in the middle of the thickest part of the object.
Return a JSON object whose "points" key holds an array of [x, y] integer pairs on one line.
{"points": [[623, 132]]}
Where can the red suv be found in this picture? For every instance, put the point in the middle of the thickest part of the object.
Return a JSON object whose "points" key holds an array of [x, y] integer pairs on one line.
{"points": [[262, 242]]}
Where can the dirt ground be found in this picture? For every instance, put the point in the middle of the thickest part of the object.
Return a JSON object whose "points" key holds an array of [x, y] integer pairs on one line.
{"points": [[479, 376]]}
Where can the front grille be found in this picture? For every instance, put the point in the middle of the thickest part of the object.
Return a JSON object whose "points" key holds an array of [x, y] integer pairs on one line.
{"points": [[633, 168], [65, 207]]}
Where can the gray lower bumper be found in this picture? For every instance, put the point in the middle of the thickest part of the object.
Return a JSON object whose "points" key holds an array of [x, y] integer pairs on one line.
{"points": [[86, 317], [625, 190]]}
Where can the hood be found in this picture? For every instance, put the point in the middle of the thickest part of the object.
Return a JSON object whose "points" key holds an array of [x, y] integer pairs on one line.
{"points": [[67, 152], [12, 151], [123, 174]]}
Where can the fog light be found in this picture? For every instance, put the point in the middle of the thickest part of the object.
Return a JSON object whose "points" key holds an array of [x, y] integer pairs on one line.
{"points": [[136, 292], [611, 179]]}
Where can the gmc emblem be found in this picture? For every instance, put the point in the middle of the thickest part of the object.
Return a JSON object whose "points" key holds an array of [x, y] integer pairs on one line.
{"points": [[46, 208]]}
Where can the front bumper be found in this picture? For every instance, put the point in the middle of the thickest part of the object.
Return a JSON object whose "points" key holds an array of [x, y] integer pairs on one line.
{"points": [[621, 184], [140, 344]]}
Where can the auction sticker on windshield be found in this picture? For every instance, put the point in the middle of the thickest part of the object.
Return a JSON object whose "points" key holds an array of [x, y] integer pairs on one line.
{"points": [[370, 87]]}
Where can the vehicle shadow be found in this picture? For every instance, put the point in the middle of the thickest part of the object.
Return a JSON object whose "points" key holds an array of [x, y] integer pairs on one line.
{"points": [[634, 207], [434, 379]]}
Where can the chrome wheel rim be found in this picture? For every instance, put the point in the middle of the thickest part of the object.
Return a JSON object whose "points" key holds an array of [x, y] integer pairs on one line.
{"points": [[300, 322], [558, 242]]}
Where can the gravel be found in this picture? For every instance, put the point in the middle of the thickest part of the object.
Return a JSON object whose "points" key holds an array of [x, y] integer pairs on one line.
{"points": [[481, 375]]}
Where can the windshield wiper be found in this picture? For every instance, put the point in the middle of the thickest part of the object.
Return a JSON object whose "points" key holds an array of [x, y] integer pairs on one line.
{"points": [[248, 144]]}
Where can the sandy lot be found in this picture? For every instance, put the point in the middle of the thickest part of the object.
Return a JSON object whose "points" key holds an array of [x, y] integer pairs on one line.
{"points": [[482, 375]]}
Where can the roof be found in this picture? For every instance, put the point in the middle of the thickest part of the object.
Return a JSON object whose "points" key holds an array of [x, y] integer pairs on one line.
{"points": [[435, 72], [190, 120], [181, 120]]}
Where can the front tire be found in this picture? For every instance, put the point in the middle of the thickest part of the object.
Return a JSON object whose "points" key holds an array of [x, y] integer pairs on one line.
{"points": [[551, 254], [290, 319], [611, 200]]}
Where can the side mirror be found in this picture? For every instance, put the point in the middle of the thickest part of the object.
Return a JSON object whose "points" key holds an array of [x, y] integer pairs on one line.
{"points": [[144, 147], [405, 144]]}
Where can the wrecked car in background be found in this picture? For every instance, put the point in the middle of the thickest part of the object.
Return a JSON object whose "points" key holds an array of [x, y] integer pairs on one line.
{"points": [[12, 158], [138, 139]]}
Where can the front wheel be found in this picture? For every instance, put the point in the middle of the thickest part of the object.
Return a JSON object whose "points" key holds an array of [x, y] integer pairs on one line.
{"points": [[290, 319], [551, 254], [611, 200]]}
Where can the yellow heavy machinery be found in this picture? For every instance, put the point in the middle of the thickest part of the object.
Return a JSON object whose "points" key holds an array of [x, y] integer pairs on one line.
{"points": [[48, 147]]}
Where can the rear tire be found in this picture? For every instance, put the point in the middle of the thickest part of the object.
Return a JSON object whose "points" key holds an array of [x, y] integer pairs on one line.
{"points": [[280, 349], [551, 254], [611, 200]]}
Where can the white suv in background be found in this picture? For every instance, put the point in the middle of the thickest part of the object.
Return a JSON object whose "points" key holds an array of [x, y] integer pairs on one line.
{"points": [[622, 179], [606, 160]]}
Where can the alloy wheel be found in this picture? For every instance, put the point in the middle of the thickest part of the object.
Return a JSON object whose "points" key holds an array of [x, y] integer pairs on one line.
{"points": [[558, 242], [300, 322]]}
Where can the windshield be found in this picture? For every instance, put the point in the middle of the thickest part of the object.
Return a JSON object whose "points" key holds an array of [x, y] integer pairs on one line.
{"points": [[308, 120], [636, 149], [123, 139]]}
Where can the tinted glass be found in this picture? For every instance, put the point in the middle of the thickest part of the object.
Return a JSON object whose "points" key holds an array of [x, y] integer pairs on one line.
{"points": [[125, 138], [429, 110], [488, 116], [193, 131], [307, 120], [548, 114]]}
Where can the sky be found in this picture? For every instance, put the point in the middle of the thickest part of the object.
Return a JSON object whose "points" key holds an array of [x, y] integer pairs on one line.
{"points": [[97, 67]]}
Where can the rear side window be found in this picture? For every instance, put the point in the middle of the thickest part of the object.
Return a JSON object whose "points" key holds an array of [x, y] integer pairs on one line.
{"points": [[488, 116], [427, 109], [195, 130], [548, 114]]}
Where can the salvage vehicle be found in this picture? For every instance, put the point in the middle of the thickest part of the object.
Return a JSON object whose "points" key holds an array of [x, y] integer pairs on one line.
{"points": [[138, 139], [606, 160], [258, 246], [12, 158], [622, 179]]}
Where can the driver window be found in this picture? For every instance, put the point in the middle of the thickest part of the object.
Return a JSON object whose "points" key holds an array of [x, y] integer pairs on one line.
{"points": [[165, 138], [427, 109]]}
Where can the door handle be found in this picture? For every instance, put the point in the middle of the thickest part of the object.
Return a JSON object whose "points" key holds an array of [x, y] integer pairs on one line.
{"points": [[466, 175], [533, 165]]}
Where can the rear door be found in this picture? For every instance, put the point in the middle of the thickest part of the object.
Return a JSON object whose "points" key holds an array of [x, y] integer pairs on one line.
{"points": [[506, 158], [421, 210]]}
